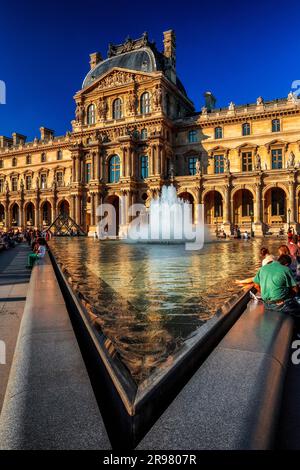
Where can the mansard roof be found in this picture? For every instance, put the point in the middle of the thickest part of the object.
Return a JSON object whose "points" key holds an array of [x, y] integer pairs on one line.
{"points": [[140, 55]]}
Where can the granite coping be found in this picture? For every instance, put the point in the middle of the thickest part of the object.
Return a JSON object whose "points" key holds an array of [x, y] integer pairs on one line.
{"points": [[233, 400], [49, 402]]}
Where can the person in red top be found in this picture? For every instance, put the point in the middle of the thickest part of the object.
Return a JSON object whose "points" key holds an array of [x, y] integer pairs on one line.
{"points": [[290, 234]]}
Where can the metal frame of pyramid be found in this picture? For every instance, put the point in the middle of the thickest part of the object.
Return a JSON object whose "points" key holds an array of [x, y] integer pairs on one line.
{"points": [[64, 225]]}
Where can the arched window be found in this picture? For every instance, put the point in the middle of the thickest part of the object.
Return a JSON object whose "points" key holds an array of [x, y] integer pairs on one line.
{"points": [[218, 132], [114, 169], [43, 157], [28, 159], [246, 128], [59, 155], [145, 103], [117, 109], [91, 114], [144, 134], [14, 161], [144, 166]]}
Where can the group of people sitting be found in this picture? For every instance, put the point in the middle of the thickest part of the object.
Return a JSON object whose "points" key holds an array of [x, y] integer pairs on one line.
{"points": [[38, 242], [277, 281]]}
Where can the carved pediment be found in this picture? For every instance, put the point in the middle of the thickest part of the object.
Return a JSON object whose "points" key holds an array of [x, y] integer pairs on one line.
{"points": [[117, 77]]}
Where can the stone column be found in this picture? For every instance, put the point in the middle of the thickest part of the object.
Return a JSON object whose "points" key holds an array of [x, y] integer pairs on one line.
{"points": [[226, 215], [78, 209], [97, 166], [37, 214], [73, 208], [93, 218], [22, 218], [152, 161], [257, 214], [133, 157], [6, 207], [292, 201], [78, 169], [158, 161], [74, 176], [123, 163]]}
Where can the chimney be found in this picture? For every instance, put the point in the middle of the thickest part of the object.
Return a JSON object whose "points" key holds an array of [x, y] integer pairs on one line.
{"points": [[18, 138], [170, 54], [95, 58], [46, 134], [210, 100], [5, 142]]}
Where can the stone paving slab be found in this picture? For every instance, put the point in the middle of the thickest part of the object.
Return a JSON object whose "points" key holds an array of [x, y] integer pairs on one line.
{"points": [[14, 282], [49, 403]]}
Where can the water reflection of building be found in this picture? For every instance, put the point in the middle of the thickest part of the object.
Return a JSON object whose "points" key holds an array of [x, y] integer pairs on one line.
{"points": [[136, 129]]}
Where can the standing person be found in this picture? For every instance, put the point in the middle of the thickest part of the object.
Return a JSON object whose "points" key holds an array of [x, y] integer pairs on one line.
{"points": [[290, 234]]}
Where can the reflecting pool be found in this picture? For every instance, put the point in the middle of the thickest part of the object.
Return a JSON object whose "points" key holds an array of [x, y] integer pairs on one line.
{"points": [[149, 299]]}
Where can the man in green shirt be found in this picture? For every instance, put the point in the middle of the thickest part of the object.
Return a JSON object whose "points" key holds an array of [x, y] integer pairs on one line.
{"points": [[277, 286]]}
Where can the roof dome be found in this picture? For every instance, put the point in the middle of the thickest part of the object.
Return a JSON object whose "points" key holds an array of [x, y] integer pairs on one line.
{"points": [[142, 60]]}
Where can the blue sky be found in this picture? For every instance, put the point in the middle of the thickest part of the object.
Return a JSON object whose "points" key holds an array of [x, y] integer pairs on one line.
{"points": [[238, 50]]}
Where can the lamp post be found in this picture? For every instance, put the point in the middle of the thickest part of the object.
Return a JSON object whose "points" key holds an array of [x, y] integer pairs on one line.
{"points": [[251, 231], [217, 215], [289, 219]]}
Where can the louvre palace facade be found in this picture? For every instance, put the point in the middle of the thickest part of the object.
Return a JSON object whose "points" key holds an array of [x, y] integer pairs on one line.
{"points": [[135, 129]]}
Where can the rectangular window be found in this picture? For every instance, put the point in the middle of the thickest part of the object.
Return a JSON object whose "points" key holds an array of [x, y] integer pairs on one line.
{"points": [[247, 161], [192, 165], [88, 173], [144, 166], [1, 186], [219, 164], [218, 133], [275, 125], [246, 128], [193, 136], [43, 181], [276, 159], [14, 184], [28, 182], [59, 178]]}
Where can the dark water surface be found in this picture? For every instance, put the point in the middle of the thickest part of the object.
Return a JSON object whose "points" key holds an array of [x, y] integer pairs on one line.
{"points": [[148, 299]]}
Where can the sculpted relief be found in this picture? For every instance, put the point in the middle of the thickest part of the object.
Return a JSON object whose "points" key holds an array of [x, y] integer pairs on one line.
{"points": [[118, 78]]}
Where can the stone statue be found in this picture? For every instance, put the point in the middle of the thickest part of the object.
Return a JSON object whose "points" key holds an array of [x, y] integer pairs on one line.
{"points": [[291, 161], [204, 110], [257, 162], [231, 106], [198, 167], [157, 97], [79, 113], [22, 185], [6, 187], [291, 98], [172, 170], [37, 182], [102, 108], [131, 102], [226, 164], [259, 100]]}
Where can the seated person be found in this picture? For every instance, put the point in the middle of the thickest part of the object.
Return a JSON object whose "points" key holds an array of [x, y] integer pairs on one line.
{"points": [[39, 252], [266, 258], [277, 286]]}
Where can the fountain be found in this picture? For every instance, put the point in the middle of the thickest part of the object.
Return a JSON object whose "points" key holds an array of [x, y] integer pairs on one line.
{"points": [[169, 219]]}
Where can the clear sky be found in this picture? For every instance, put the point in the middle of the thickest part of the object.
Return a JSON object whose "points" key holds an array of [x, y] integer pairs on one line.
{"points": [[238, 50]]}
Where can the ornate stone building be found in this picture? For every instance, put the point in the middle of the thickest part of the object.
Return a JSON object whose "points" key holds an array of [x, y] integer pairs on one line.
{"points": [[135, 129]]}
